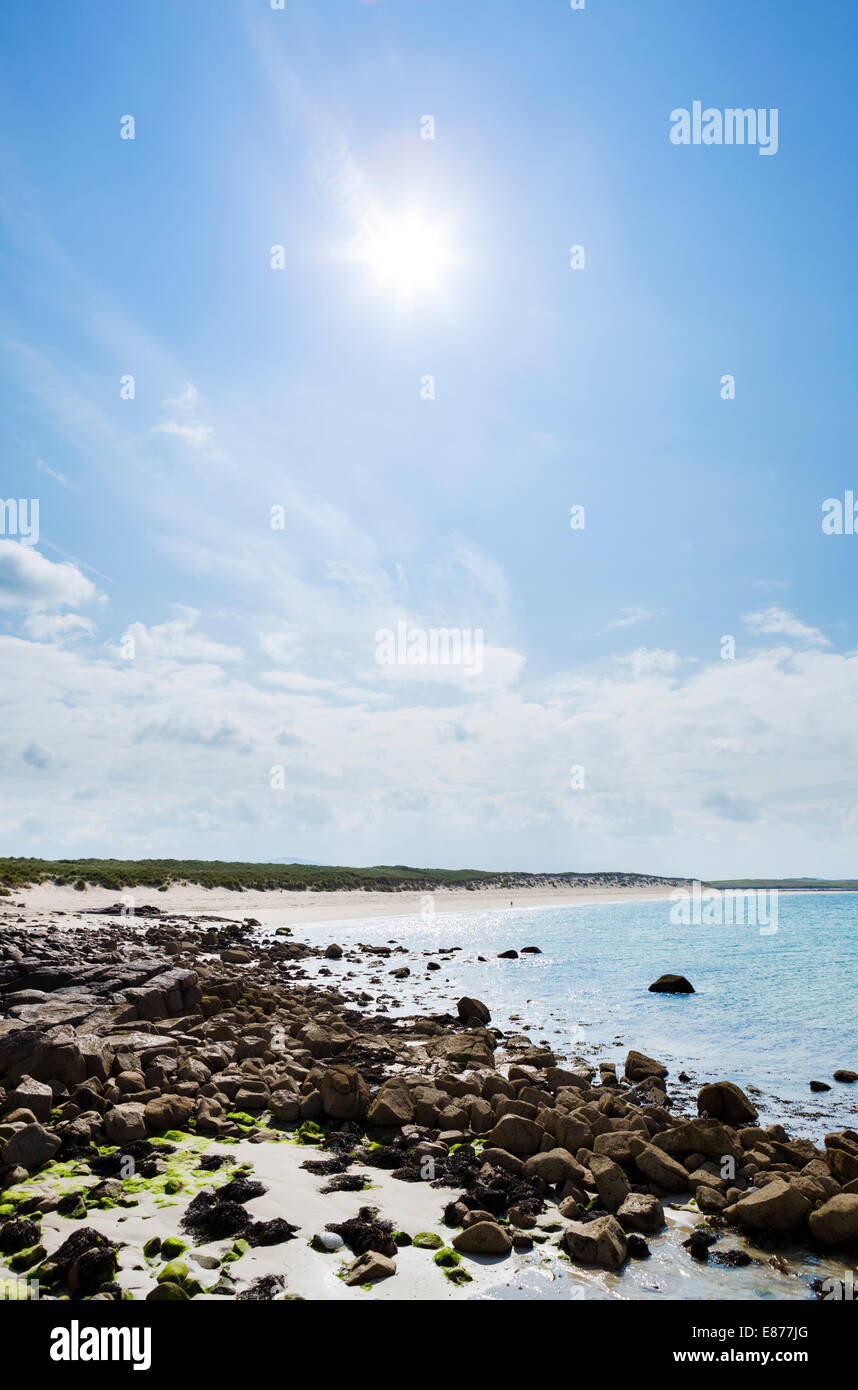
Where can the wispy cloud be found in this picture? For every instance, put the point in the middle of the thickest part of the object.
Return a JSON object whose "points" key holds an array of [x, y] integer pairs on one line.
{"points": [[57, 477], [197, 435], [55, 627], [778, 622], [630, 617]]}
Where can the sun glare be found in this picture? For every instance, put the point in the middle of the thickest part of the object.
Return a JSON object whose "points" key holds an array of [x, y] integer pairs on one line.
{"points": [[406, 253]]}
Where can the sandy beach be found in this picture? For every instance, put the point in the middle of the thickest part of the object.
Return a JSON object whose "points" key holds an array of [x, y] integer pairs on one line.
{"points": [[295, 909], [331, 1105]]}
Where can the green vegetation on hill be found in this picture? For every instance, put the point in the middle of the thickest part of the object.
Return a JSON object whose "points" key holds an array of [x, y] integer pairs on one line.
{"points": [[160, 873], [785, 884]]}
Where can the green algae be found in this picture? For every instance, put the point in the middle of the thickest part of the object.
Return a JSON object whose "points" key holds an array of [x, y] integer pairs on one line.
{"points": [[27, 1259], [447, 1258]]}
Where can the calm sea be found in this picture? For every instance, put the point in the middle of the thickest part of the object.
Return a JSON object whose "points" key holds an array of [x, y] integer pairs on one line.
{"points": [[772, 1010]]}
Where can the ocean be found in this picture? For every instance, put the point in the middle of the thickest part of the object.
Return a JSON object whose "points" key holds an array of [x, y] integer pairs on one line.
{"points": [[772, 1010]]}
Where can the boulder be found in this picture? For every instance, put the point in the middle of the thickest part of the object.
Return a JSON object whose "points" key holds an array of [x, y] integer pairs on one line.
{"points": [[345, 1094], [836, 1221], [573, 1134], [641, 1212], [393, 1105], [709, 1200], [841, 1155], [660, 1168], [619, 1144], [473, 1011], [316, 1040], [29, 1147], [517, 1135], [125, 1123], [671, 984], [32, 1095], [483, 1238], [471, 1049], [725, 1101], [775, 1207], [703, 1136], [611, 1182], [168, 1112], [559, 1078], [552, 1166], [639, 1067], [601, 1242], [60, 1055], [428, 1104], [845, 1075]]}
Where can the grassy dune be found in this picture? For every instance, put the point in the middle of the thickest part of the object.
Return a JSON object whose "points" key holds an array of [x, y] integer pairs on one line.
{"points": [[160, 873]]}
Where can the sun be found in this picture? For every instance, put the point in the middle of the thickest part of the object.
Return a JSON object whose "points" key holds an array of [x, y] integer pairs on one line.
{"points": [[406, 253]]}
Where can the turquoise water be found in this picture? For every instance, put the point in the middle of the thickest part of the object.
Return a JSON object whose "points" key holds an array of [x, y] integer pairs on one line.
{"points": [[771, 1011]]}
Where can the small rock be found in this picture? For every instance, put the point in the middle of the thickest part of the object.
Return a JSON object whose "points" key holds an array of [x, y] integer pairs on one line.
{"points": [[327, 1242], [601, 1242], [485, 1238], [369, 1268]]}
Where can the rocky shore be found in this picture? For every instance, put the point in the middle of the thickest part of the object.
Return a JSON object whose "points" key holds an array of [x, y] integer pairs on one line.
{"points": [[181, 1106]]}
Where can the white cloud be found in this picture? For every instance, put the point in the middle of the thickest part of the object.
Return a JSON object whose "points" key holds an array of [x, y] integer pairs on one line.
{"points": [[188, 398], [196, 435], [28, 580], [630, 617], [685, 766], [52, 627], [649, 660], [177, 640], [779, 622]]}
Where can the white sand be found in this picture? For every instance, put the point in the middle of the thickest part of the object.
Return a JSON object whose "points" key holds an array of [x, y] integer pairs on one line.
{"points": [[284, 908], [296, 1195]]}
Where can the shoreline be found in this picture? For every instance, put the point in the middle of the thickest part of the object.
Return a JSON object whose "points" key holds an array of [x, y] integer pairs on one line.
{"points": [[214, 1052], [299, 908]]}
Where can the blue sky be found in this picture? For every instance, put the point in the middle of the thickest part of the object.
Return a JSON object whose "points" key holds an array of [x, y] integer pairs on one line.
{"points": [[300, 387]]}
